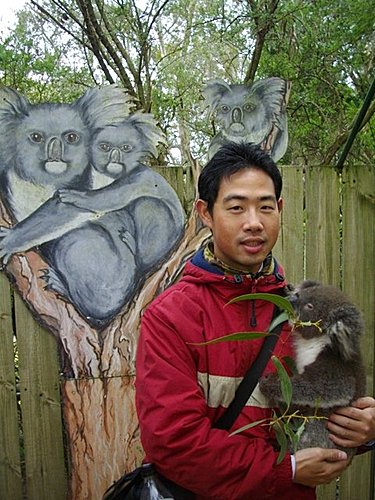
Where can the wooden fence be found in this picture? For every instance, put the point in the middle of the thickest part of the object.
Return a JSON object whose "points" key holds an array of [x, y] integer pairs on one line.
{"points": [[327, 234]]}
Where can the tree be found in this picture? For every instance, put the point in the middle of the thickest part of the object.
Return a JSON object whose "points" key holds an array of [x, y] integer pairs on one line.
{"points": [[162, 52]]}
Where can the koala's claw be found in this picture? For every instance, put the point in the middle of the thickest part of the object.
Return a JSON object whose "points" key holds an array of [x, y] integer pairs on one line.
{"points": [[129, 240], [53, 282], [71, 197]]}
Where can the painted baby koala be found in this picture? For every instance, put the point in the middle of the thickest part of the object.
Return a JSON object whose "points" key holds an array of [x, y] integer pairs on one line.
{"points": [[330, 372]]}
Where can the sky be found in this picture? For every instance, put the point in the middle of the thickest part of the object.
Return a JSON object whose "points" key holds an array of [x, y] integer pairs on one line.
{"points": [[8, 9]]}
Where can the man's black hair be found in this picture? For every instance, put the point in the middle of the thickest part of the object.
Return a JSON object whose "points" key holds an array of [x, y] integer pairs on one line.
{"points": [[228, 160]]}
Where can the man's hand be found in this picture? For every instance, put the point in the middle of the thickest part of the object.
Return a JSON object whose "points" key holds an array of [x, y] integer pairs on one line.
{"points": [[315, 466], [354, 425]]}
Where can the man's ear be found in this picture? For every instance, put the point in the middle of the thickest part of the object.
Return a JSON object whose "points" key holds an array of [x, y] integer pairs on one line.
{"points": [[203, 212], [280, 204]]}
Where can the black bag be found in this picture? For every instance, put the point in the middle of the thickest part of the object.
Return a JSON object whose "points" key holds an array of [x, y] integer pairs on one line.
{"points": [[128, 487]]}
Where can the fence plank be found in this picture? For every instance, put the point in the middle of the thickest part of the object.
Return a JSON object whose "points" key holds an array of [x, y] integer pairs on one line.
{"points": [[41, 408], [10, 464], [289, 248], [358, 281], [323, 225]]}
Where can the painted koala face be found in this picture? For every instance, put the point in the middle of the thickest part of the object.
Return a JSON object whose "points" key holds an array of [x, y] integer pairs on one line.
{"points": [[51, 145], [116, 150]]}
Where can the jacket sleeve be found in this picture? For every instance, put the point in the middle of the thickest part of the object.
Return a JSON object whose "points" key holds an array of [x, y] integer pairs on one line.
{"points": [[176, 430]]}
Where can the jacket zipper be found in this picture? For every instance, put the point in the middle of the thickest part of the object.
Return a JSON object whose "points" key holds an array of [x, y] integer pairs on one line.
{"points": [[253, 319]]}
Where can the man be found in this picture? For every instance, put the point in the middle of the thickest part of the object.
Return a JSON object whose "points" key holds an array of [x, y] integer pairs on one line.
{"points": [[183, 388]]}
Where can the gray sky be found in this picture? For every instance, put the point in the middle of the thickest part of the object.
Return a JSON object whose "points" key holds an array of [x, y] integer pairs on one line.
{"points": [[8, 9]]}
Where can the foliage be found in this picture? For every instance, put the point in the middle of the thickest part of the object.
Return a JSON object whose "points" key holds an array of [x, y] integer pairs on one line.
{"points": [[163, 52], [43, 71]]}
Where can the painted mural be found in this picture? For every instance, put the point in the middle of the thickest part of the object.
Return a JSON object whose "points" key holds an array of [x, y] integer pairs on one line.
{"points": [[253, 113], [90, 234], [75, 187]]}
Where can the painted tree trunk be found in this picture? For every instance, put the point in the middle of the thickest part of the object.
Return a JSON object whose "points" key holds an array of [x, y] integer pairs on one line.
{"points": [[98, 367]]}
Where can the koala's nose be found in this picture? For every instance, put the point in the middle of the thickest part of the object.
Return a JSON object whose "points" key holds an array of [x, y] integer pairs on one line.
{"points": [[115, 155], [237, 115], [293, 300]]}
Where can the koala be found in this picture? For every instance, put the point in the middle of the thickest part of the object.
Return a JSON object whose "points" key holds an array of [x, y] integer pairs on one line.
{"points": [[249, 113], [45, 147], [102, 238], [330, 371], [139, 220]]}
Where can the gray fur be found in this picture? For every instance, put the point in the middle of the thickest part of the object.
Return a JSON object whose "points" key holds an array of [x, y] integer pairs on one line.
{"points": [[334, 375]]}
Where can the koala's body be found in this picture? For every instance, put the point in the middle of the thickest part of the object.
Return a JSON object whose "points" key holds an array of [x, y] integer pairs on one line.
{"points": [[139, 219], [330, 371]]}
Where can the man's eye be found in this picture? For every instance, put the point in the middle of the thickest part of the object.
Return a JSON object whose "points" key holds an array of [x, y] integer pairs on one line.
{"points": [[268, 208], [235, 208]]}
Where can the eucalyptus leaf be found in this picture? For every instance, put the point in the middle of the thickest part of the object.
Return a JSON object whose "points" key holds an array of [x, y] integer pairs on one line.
{"points": [[233, 337], [248, 426], [294, 435], [290, 363], [286, 384], [282, 440], [281, 318], [280, 302]]}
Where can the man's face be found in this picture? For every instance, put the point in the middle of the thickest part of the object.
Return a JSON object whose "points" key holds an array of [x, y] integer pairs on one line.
{"points": [[245, 219]]}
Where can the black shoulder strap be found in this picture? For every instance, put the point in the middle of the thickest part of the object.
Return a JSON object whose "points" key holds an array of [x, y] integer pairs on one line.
{"points": [[251, 379]]}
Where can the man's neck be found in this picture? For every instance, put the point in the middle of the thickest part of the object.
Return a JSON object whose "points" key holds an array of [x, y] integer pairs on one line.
{"points": [[266, 267]]}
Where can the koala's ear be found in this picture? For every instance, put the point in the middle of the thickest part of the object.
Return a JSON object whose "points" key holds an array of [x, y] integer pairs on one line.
{"points": [[289, 289], [13, 107], [308, 284], [344, 327], [271, 91], [102, 106], [149, 133], [12, 103], [213, 91]]}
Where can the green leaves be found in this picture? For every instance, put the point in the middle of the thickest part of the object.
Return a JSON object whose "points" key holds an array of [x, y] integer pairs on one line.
{"points": [[280, 302], [286, 384], [233, 337]]}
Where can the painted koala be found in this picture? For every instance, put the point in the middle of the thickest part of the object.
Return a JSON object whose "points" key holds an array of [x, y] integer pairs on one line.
{"points": [[249, 113], [75, 187]]}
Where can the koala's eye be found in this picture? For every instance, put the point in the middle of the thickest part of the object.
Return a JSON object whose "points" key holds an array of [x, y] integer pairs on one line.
{"points": [[37, 137], [249, 106], [309, 306], [224, 108], [126, 148], [104, 147], [71, 137]]}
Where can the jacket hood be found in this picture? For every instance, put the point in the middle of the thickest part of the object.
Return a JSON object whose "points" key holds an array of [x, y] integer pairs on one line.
{"points": [[198, 270]]}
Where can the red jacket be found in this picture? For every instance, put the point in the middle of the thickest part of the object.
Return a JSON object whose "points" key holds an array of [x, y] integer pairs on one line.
{"points": [[182, 389]]}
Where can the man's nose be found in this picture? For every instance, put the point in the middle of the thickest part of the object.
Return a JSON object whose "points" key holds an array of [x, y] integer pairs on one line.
{"points": [[252, 221]]}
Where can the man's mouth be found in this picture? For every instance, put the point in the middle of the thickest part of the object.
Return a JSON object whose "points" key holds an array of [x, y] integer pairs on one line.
{"points": [[253, 246]]}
